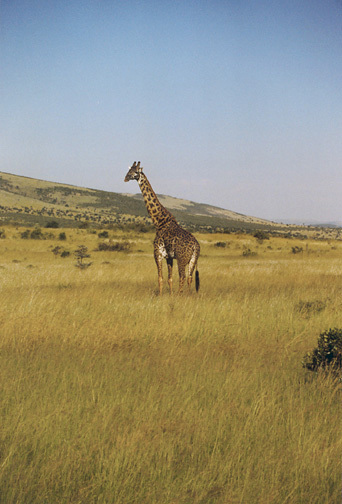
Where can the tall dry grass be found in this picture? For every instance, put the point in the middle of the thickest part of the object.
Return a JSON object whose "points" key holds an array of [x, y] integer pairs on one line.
{"points": [[112, 394]]}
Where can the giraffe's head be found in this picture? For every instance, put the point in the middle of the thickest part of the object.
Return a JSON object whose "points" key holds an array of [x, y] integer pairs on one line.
{"points": [[134, 172]]}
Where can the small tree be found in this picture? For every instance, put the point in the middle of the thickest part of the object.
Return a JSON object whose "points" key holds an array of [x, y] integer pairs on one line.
{"points": [[81, 253]]}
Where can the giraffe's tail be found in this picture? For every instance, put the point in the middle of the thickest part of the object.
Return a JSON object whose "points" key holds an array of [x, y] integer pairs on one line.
{"points": [[197, 281]]}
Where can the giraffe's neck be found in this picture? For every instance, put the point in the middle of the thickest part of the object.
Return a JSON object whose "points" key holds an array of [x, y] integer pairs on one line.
{"points": [[159, 215]]}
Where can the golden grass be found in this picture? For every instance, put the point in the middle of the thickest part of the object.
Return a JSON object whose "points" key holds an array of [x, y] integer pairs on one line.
{"points": [[112, 394]]}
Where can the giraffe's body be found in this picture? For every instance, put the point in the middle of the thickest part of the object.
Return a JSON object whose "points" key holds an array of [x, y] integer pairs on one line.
{"points": [[171, 241]]}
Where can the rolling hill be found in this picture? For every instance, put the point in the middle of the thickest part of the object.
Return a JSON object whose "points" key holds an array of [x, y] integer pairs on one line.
{"points": [[28, 201]]}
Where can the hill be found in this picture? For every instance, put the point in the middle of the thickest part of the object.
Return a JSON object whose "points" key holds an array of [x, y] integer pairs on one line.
{"points": [[30, 201], [26, 200]]}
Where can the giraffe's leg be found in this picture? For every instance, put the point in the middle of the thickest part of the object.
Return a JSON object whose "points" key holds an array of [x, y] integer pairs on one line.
{"points": [[169, 261], [191, 269], [160, 275], [158, 258], [181, 271], [192, 265]]}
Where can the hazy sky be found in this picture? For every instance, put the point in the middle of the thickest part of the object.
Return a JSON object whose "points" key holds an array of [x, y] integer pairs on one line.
{"points": [[235, 103]]}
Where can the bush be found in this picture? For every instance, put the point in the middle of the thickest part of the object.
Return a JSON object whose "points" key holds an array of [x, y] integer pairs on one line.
{"points": [[103, 234], [297, 250], [36, 234], [261, 235], [328, 352], [52, 224], [62, 236], [56, 251], [220, 244], [308, 308], [248, 252], [114, 246], [140, 227], [25, 234]]}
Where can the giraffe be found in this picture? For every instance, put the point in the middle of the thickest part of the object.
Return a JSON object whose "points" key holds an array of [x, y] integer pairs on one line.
{"points": [[171, 241]]}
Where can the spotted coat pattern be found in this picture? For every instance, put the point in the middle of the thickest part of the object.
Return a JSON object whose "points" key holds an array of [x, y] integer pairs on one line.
{"points": [[171, 241]]}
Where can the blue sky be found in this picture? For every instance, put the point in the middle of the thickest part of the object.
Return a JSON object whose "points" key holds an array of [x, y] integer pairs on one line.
{"points": [[232, 103]]}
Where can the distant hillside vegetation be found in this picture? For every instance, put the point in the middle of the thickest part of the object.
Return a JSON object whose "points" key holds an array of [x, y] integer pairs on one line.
{"points": [[29, 201]]}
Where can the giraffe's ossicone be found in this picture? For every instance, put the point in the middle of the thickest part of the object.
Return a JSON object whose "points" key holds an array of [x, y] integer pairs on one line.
{"points": [[171, 241]]}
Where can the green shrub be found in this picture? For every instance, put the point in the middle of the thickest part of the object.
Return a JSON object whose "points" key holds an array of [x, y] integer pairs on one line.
{"points": [[36, 234], [114, 246], [297, 250], [220, 244], [261, 235], [308, 308], [52, 224], [25, 234], [62, 236], [103, 234], [248, 252], [328, 352], [56, 251]]}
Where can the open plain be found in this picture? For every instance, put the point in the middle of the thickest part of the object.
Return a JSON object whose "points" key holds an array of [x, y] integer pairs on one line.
{"points": [[113, 394]]}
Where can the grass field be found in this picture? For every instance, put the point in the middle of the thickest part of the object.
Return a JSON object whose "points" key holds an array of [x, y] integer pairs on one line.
{"points": [[112, 394]]}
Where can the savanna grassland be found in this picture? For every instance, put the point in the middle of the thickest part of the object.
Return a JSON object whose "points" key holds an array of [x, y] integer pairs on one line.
{"points": [[112, 394]]}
